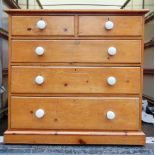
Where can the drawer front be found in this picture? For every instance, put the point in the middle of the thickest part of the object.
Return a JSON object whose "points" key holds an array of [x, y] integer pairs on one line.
{"points": [[122, 26], [75, 80], [55, 25], [75, 113], [93, 51]]}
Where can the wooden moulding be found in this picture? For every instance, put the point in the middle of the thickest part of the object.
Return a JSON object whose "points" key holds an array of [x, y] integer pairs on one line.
{"points": [[98, 11], [74, 137]]}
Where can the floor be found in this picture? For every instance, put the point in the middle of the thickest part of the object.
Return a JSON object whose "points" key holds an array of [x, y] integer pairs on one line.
{"points": [[76, 150], [148, 149]]}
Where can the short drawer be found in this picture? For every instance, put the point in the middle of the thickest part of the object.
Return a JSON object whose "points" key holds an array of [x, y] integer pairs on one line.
{"points": [[83, 113], [110, 25], [89, 51], [43, 25], [107, 80]]}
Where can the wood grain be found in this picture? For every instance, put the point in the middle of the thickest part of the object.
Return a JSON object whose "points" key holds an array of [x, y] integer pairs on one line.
{"points": [[75, 80], [75, 113], [75, 11], [62, 137], [123, 26], [76, 51], [56, 25], [76, 64], [75, 94]]}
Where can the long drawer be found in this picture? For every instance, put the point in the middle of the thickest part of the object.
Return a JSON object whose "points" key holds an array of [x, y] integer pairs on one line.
{"points": [[54, 25], [82, 113], [92, 51], [118, 26], [93, 80]]}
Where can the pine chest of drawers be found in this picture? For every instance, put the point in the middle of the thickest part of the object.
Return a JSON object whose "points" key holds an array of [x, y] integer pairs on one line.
{"points": [[75, 77]]}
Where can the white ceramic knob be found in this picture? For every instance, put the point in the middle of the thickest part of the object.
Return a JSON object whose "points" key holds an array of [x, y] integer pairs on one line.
{"points": [[111, 80], [39, 113], [39, 51], [110, 115], [109, 25], [39, 80], [112, 51], [41, 24]]}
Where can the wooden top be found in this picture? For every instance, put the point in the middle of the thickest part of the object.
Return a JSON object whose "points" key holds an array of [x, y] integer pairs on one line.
{"points": [[103, 11]]}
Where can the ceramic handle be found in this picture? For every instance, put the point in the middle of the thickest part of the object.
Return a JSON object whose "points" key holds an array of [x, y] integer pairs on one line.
{"points": [[109, 25], [39, 51], [110, 115], [39, 113], [111, 80], [41, 24], [112, 51], [39, 80]]}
